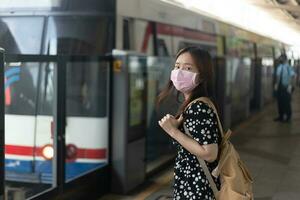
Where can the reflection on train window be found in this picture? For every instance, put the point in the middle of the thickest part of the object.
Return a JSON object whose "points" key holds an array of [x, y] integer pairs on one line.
{"points": [[86, 104], [46, 94], [238, 84], [267, 61], [74, 35], [7, 40], [17, 38], [136, 86], [21, 88], [87, 89], [74, 46]]}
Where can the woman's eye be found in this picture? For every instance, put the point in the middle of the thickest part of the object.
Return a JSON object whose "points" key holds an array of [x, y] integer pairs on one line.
{"points": [[176, 67], [189, 68]]}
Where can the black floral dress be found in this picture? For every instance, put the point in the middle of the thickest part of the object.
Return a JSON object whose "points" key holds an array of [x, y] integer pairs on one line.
{"points": [[190, 181]]}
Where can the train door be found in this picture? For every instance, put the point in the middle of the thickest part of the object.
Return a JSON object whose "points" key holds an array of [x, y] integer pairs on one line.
{"points": [[159, 147], [137, 97], [253, 85], [262, 71], [137, 116], [129, 119], [267, 63], [220, 88]]}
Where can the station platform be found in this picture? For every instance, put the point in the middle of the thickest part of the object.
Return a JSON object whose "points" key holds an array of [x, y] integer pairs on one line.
{"points": [[270, 149]]}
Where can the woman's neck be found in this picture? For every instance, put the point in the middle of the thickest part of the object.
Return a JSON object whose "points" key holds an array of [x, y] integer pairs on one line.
{"points": [[186, 96]]}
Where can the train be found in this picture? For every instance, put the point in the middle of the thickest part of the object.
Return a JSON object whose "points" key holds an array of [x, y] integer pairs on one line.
{"points": [[244, 63]]}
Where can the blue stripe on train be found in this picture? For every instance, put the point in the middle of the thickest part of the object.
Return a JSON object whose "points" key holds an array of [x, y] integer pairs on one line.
{"points": [[43, 170]]}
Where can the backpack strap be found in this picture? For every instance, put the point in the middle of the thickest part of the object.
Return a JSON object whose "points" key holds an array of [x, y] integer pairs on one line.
{"points": [[200, 160], [205, 169], [210, 104]]}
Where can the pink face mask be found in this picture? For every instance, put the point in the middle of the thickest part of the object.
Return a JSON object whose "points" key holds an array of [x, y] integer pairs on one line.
{"points": [[184, 81]]}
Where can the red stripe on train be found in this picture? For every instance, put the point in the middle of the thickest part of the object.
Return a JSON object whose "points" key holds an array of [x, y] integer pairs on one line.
{"points": [[165, 29], [37, 151]]}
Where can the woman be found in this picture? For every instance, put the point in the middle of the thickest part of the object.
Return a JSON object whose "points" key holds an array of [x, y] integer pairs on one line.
{"points": [[192, 76]]}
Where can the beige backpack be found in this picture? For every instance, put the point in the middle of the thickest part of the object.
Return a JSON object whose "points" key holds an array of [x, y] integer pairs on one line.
{"points": [[236, 181]]}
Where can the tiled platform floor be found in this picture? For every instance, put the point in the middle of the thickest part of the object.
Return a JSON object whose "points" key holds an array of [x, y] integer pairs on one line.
{"points": [[270, 149]]}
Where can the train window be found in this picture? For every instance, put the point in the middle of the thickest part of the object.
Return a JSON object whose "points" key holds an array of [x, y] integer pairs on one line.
{"points": [[91, 5], [208, 26], [7, 40], [162, 48], [239, 48], [86, 83], [57, 5], [126, 34], [29, 5], [21, 34], [74, 35], [264, 51]]}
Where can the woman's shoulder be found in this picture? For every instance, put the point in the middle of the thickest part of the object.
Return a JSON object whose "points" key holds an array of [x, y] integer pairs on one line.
{"points": [[199, 107]]}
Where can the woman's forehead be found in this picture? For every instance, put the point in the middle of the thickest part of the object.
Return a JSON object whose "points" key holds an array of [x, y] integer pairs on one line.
{"points": [[185, 58]]}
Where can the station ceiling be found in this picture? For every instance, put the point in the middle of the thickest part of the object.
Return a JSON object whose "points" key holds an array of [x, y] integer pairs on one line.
{"points": [[285, 10], [277, 19]]}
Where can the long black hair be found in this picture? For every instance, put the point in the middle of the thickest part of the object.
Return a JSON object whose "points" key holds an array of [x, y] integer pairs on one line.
{"points": [[204, 64]]}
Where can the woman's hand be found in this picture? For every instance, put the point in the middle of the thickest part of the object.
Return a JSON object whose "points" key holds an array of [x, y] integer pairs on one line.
{"points": [[169, 123]]}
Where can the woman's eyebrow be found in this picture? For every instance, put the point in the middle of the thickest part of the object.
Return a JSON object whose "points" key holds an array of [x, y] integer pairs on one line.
{"points": [[184, 63]]}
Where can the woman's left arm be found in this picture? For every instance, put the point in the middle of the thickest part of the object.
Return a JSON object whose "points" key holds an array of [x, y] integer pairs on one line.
{"points": [[208, 152]]}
